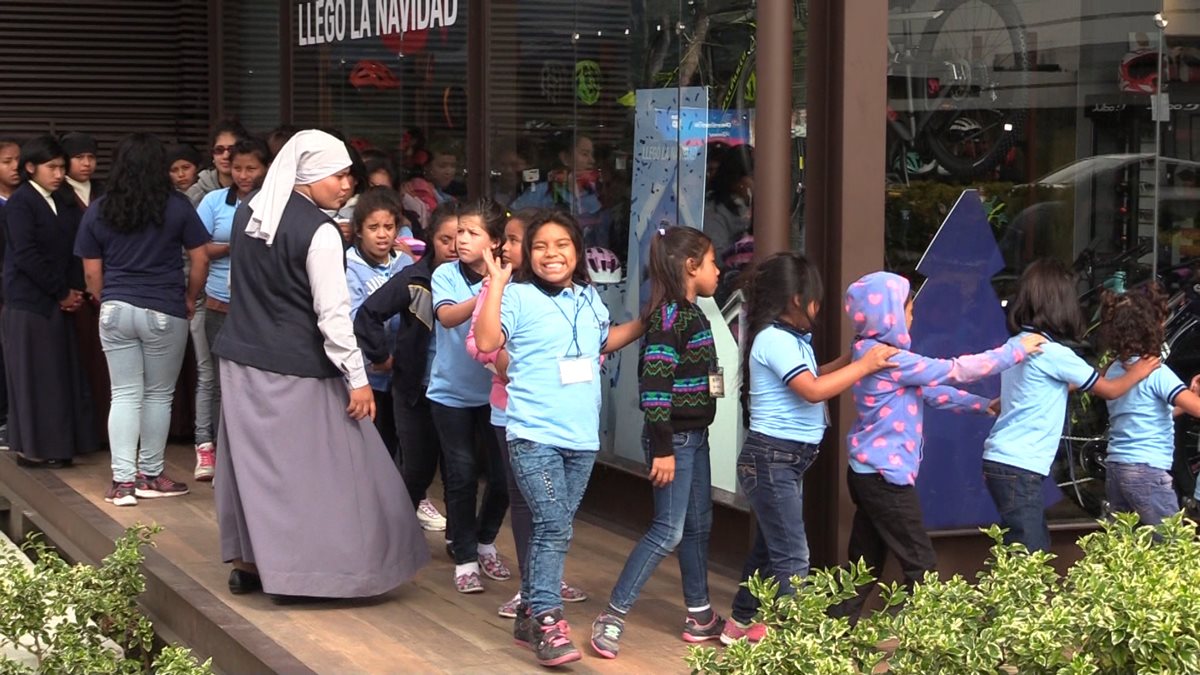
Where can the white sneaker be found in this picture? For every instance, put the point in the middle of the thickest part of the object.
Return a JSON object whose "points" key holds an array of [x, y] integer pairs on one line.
{"points": [[206, 461], [428, 516]]}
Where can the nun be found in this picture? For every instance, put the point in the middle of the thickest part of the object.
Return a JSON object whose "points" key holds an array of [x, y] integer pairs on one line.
{"points": [[308, 502]]}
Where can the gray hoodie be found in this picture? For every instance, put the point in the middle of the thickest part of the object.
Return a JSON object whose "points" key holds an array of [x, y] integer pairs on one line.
{"points": [[205, 183]]}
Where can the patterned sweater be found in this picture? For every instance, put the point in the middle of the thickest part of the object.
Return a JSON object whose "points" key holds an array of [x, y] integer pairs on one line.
{"points": [[677, 353]]}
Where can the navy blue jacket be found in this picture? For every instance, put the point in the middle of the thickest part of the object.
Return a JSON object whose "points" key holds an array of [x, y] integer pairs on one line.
{"points": [[39, 266]]}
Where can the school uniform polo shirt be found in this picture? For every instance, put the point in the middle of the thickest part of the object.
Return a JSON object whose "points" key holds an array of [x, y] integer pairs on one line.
{"points": [[216, 211], [455, 379], [780, 354], [1142, 425], [1033, 407], [542, 327]]}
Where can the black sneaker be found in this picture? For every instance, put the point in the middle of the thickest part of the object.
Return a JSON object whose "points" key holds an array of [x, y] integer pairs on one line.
{"points": [[606, 634], [153, 487], [525, 630], [121, 494], [553, 647], [694, 632]]}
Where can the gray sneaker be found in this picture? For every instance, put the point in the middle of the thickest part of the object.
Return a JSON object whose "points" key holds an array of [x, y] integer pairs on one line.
{"points": [[525, 631], [606, 634]]}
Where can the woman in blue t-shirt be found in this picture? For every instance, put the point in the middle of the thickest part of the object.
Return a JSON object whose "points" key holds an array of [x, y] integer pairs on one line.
{"points": [[129, 241], [249, 160]]}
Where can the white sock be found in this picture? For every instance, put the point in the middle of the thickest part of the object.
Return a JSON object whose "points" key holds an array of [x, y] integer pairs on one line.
{"points": [[469, 568], [487, 549], [697, 610]]}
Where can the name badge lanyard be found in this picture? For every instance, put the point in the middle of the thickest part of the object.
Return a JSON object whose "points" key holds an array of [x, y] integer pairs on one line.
{"points": [[574, 368]]}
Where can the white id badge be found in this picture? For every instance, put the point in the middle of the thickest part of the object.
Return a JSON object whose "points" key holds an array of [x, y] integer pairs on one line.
{"points": [[575, 371], [716, 382]]}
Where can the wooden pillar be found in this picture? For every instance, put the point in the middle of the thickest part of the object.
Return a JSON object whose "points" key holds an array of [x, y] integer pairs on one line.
{"points": [[772, 128]]}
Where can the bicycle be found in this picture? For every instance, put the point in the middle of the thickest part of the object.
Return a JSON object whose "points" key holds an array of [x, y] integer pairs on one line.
{"points": [[959, 91]]}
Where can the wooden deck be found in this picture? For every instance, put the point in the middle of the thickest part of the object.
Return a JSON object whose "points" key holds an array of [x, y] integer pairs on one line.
{"points": [[422, 627]]}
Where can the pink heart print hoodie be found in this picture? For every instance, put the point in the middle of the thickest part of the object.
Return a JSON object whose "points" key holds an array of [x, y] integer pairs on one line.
{"points": [[887, 437]]}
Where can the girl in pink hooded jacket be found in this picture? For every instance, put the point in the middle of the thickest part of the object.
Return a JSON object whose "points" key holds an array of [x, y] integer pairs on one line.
{"points": [[885, 442]]}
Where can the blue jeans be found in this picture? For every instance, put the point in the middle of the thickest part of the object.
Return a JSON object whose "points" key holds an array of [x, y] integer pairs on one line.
{"points": [[206, 377], [1017, 494], [1142, 489], [771, 473], [144, 349], [460, 432], [553, 481], [682, 518]]}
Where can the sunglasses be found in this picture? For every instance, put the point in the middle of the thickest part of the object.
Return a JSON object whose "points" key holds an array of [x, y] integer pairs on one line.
{"points": [[221, 149]]}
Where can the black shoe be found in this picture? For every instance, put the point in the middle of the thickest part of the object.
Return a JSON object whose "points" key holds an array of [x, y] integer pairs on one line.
{"points": [[27, 463], [242, 582]]}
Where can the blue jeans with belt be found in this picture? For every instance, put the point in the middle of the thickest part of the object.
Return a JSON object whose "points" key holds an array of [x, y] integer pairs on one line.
{"points": [[144, 349], [771, 473], [682, 521]]}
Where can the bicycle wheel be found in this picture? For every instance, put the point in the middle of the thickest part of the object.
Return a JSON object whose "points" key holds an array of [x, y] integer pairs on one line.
{"points": [[971, 127], [1079, 468]]}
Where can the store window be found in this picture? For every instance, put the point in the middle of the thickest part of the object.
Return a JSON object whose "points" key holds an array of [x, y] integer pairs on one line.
{"points": [[633, 116], [391, 77], [1026, 130]]}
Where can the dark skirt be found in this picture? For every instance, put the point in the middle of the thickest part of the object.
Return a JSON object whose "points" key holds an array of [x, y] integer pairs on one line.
{"points": [[50, 408], [308, 494]]}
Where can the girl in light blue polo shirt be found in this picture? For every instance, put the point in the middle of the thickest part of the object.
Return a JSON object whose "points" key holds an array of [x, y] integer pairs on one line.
{"points": [[458, 393], [554, 327], [1033, 400], [1141, 443], [784, 390], [249, 160]]}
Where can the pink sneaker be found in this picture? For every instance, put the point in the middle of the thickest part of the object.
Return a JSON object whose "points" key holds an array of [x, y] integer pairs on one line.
{"points": [[734, 631], [468, 583], [494, 567], [206, 462], [572, 594]]}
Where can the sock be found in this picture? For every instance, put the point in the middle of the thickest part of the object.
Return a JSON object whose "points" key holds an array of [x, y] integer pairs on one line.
{"points": [[701, 615], [487, 549], [468, 568], [609, 609]]}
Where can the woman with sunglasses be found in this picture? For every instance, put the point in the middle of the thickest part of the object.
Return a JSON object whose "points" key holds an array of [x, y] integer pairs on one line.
{"points": [[224, 136]]}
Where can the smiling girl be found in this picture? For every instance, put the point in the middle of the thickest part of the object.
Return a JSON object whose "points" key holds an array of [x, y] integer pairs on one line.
{"points": [[554, 327]]}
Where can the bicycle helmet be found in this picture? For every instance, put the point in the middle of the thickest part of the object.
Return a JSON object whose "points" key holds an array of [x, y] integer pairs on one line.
{"points": [[603, 265], [1138, 72], [371, 73]]}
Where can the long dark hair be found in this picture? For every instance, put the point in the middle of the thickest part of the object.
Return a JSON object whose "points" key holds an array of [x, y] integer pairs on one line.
{"points": [[541, 218], [492, 215], [670, 251], [1047, 302], [1132, 322], [771, 284], [138, 186]]}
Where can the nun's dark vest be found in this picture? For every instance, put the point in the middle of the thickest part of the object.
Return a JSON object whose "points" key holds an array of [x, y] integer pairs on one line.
{"points": [[271, 324]]}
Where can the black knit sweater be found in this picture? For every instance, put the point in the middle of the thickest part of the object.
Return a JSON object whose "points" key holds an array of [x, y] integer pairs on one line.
{"points": [[677, 354]]}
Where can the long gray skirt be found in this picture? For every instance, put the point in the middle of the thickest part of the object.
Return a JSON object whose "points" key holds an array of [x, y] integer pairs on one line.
{"points": [[50, 411], [308, 494]]}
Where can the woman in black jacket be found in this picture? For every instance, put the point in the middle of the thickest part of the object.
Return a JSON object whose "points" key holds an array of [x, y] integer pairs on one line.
{"points": [[50, 409]]}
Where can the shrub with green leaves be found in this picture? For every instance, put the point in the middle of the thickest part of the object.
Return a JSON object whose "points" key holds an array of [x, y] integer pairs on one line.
{"points": [[83, 619], [1130, 605]]}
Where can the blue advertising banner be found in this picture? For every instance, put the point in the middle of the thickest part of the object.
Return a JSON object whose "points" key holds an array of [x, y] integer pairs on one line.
{"points": [[669, 173], [957, 312]]}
